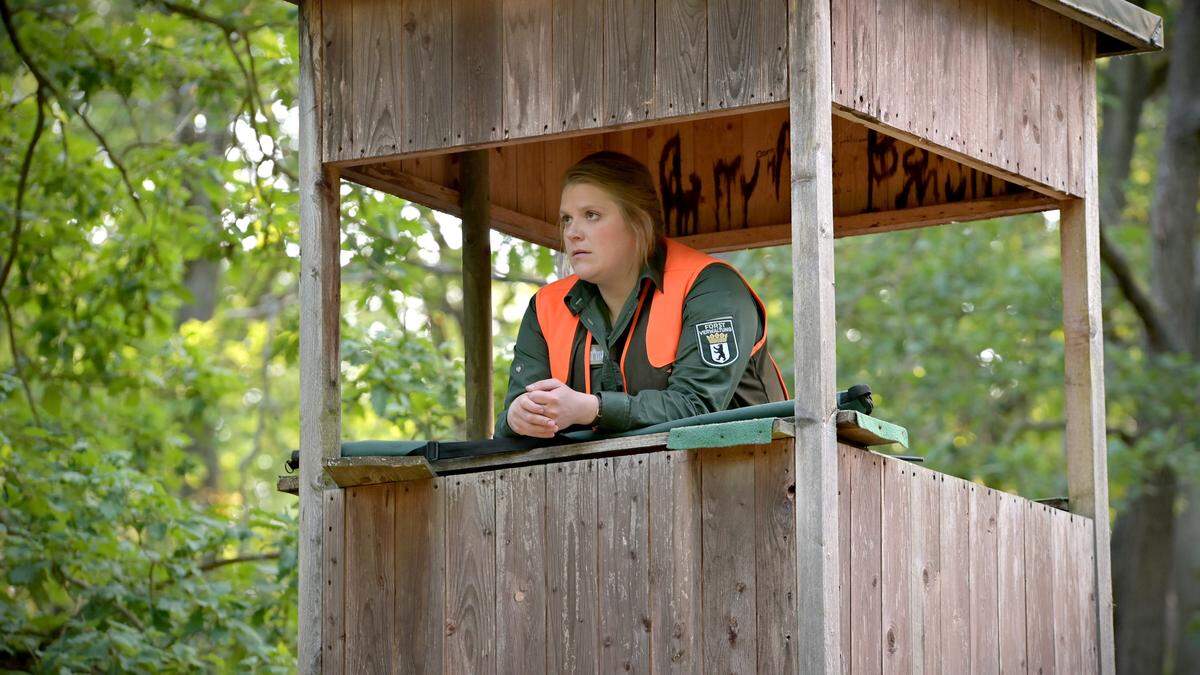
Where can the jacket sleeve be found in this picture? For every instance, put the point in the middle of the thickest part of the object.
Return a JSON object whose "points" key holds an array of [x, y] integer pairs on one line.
{"points": [[701, 381], [531, 362]]}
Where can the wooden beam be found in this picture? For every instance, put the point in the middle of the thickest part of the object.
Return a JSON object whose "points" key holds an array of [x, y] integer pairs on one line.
{"points": [[810, 97], [320, 310], [948, 152], [477, 292], [880, 221], [1086, 445], [447, 200]]}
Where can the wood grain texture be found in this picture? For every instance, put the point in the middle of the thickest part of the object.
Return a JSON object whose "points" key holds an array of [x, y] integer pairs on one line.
{"points": [[1002, 119], [1084, 561], [775, 556], [623, 564], [840, 68], [1027, 87], [1056, 52], [946, 68], [1081, 98], [866, 563], [746, 49], [724, 181], [675, 551], [503, 173], [1010, 584], [680, 57], [376, 77], [984, 580], [578, 64], [333, 606], [730, 629], [955, 575], [919, 21], [810, 134], [370, 562], [972, 30], [532, 185], [470, 641], [891, 89], [572, 612], [420, 576], [1068, 621], [336, 62], [846, 463], [426, 59], [926, 582], [477, 71], [864, 44], [320, 305], [1086, 445], [1039, 587], [629, 35], [528, 67], [897, 622], [520, 570], [477, 293]]}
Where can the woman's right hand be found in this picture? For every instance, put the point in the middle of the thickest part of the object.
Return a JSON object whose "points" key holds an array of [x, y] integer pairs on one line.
{"points": [[528, 419]]}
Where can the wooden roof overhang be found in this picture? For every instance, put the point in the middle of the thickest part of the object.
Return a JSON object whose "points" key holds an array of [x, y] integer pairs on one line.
{"points": [[942, 112]]}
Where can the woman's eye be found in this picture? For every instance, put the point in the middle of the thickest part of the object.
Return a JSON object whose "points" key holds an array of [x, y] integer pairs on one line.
{"points": [[592, 215]]}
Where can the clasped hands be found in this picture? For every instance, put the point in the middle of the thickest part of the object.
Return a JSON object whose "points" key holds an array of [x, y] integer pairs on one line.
{"points": [[548, 406]]}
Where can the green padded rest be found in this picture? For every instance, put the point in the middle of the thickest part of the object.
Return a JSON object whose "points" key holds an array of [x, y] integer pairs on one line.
{"points": [[770, 411]]}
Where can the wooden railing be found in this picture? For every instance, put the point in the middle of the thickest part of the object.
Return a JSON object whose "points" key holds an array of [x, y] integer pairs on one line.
{"points": [[685, 561]]}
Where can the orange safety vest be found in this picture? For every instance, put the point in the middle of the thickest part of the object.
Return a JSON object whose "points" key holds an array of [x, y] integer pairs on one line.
{"points": [[683, 265]]}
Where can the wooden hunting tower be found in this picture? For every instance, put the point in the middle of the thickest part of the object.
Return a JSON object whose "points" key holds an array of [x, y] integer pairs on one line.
{"points": [[764, 122]]}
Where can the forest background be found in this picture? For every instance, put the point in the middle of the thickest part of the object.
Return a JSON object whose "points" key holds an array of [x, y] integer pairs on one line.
{"points": [[148, 335]]}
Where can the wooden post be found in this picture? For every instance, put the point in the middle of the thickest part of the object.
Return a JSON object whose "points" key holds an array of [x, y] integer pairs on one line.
{"points": [[477, 291], [810, 106], [1086, 445], [320, 311]]}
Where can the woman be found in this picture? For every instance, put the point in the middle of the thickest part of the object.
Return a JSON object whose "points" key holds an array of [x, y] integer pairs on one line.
{"points": [[645, 331]]}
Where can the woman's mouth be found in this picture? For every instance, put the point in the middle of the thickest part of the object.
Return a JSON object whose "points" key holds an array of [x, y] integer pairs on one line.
{"points": [[576, 254]]}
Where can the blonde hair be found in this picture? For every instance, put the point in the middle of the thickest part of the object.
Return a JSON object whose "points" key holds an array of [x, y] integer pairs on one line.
{"points": [[627, 181]]}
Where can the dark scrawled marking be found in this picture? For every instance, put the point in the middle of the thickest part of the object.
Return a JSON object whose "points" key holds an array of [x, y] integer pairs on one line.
{"points": [[681, 208]]}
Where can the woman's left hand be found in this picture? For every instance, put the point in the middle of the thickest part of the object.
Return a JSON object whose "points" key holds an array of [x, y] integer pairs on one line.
{"points": [[563, 404]]}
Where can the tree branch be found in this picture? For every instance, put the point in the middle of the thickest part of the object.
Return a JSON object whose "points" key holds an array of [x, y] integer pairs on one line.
{"points": [[1146, 308], [26, 163], [16, 357], [68, 104], [257, 557]]}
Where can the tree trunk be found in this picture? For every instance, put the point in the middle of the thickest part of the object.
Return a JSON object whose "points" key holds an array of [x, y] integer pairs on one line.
{"points": [[1141, 575], [202, 277], [1175, 224], [1147, 556]]}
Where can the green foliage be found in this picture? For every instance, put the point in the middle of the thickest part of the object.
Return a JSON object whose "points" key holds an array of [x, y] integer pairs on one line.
{"points": [[148, 357], [105, 569]]}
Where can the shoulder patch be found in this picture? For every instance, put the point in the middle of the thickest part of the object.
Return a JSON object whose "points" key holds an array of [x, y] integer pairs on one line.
{"points": [[717, 341]]}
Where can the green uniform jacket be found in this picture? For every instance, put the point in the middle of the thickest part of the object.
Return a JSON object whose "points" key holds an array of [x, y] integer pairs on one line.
{"points": [[697, 382]]}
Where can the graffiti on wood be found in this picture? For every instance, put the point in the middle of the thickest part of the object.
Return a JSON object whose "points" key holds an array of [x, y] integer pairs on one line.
{"points": [[681, 207], [926, 178]]}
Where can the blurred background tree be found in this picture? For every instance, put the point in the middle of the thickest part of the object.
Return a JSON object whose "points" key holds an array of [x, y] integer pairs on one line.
{"points": [[148, 351]]}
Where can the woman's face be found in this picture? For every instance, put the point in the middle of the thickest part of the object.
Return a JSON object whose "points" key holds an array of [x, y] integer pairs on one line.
{"points": [[600, 245]]}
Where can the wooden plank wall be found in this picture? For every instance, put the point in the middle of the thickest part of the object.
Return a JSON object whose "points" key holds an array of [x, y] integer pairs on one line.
{"points": [[945, 575], [999, 82], [681, 561], [412, 75], [724, 180], [584, 566]]}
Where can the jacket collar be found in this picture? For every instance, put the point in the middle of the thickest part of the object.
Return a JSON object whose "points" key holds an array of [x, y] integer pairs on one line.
{"points": [[584, 292]]}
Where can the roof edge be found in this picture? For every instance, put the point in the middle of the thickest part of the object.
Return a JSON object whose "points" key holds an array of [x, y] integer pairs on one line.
{"points": [[1123, 27]]}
